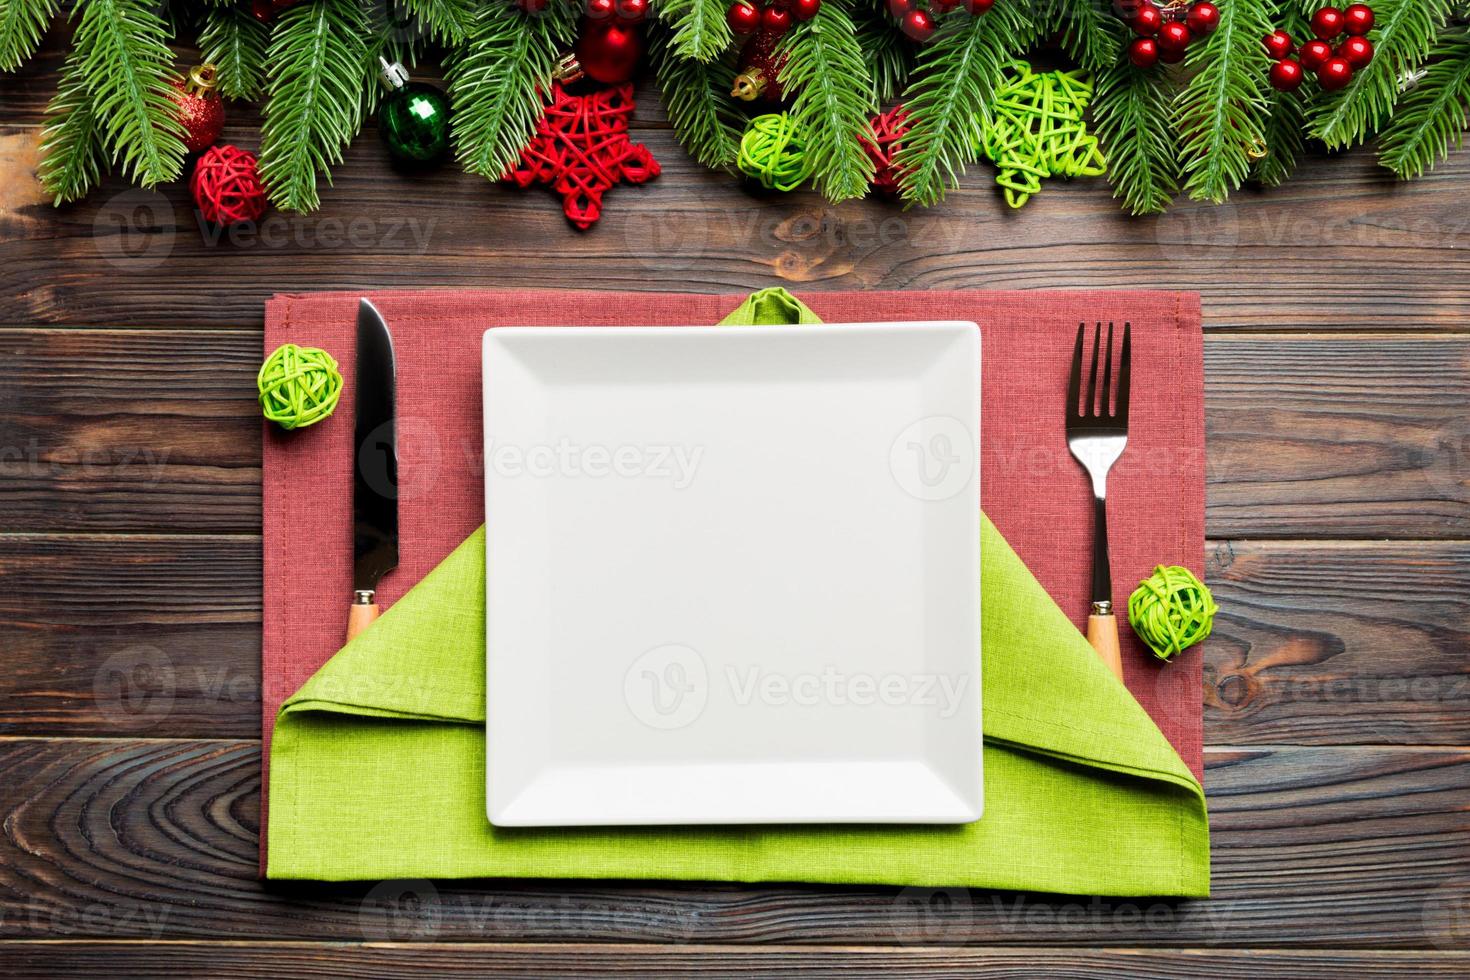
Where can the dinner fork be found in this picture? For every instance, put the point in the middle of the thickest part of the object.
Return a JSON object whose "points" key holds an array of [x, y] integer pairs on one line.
{"points": [[1097, 431]]}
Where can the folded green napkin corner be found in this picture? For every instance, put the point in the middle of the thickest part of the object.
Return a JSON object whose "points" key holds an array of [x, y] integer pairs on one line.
{"points": [[378, 765]]}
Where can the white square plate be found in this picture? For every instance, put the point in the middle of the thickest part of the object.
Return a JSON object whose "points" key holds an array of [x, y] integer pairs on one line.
{"points": [[733, 574]]}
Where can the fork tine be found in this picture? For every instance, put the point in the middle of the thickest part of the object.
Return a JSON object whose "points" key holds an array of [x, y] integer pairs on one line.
{"points": [[1092, 377], [1107, 387], [1074, 382], [1122, 411]]}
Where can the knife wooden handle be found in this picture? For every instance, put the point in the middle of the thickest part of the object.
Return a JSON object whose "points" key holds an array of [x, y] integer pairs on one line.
{"points": [[360, 614], [1102, 633]]}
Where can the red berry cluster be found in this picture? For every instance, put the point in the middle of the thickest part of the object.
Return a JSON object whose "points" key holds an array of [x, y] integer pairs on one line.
{"points": [[1334, 66], [920, 21], [744, 17], [623, 11], [1164, 32]]}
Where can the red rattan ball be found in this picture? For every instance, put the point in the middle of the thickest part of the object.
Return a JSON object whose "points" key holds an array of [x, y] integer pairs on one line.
{"points": [[226, 186], [889, 130]]}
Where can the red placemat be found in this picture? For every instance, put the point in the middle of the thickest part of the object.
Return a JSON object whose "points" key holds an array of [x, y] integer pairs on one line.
{"points": [[1035, 493]]}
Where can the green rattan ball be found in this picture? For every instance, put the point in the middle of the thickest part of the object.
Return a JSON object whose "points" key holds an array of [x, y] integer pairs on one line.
{"points": [[1171, 610], [299, 386], [772, 151]]}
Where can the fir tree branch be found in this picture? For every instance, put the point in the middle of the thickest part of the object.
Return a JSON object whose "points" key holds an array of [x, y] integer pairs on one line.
{"points": [[1431, 118], [498, 81], [318, 59], [888, 52], [1403, 35], [1091, 35], [447, 21], [950, 93], [22, 24], [235, 42], [700, 32], [125, 65], [1285, 139], [834, 104], [697, 98], [1130, 114], [72, 155], [1221, 112]]}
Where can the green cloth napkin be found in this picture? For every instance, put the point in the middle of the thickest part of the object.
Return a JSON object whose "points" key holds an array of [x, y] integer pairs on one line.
{"points": [[378, 764]]}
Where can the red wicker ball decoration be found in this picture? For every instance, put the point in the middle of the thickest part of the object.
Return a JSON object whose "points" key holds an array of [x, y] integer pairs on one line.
{"points": [[226, 186], [889, 130]]}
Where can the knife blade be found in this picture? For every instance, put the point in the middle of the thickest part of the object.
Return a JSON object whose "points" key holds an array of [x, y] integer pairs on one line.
{"points": [[375, 467]]}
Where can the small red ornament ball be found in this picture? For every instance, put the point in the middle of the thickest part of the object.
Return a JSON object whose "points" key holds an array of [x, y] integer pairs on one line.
{"points": [[743, 18], [774, 20], [1286, 75], [1357, 19], [805, 9], [1174, 37], [1356, 51], [608, 51], [1278, 44], [533, 6], [1335, 74], [977, 7], [1148, 20], [599, 9], [631, 11], [1314, 54], [918, 24], [1143, 52], [226, 186], [900, 7], [1203, 18], [1327, 23], [201, 109]]}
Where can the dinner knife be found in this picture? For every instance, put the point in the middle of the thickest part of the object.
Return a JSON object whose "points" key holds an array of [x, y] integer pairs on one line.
{"points": [[374, 469]]}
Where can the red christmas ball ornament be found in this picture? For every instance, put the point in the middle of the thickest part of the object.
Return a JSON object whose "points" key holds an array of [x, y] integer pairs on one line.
{"points": [[1357, 19], [918, 24], [1174, 36], [201, 109], [775, 20], [1202, 19], [977, 7], [1335, 74], [1314, 54], [1356, 51], [227, 187], [533, 6], [608, 51], [1143, 52], [889, 129], [1286, 75], [1279, 44], [760, 69], [631, 11], [898, 8], [1327, 23], [1148, 20], [805, 9], [599, 9], [743, 18]]}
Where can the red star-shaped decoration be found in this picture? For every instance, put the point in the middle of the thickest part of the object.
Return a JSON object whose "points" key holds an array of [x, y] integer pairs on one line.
{"points": [[581, 149]]}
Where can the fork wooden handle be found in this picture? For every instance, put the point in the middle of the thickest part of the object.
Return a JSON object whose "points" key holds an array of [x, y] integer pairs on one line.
{"points": [[1102, 633]]}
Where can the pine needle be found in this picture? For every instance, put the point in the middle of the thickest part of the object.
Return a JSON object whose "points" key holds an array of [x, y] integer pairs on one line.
{"points": [[950, 93], [318, 59], [1091, 35], [235, 42], [698, 101], [700, 31], [447, 21], [834, 104], [1130, 114], [1221, 112], [22, 24], [1404, 32], [1431, 118], [124, 64], [889, 53], [72, 155], [499, 80]]}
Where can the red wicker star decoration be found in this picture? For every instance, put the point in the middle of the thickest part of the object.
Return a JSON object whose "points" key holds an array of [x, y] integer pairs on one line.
{"points": [[581, 149]]}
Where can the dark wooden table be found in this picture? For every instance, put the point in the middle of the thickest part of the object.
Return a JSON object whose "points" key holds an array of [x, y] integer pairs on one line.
{"points": [[1337, 689]]}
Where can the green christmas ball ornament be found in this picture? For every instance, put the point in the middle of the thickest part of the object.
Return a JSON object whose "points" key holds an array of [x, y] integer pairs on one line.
{"points": [[1171, 610], [772, 152], [299, 386], [413, 118]]}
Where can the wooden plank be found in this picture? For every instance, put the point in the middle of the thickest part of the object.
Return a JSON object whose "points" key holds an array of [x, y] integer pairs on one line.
{"points": [[135, 430], [1318, 643], [116, 839], [46, 961], [1391, 256]]}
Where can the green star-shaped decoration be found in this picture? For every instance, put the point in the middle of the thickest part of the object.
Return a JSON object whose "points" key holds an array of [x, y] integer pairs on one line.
{"points": [[1037, 130]]}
